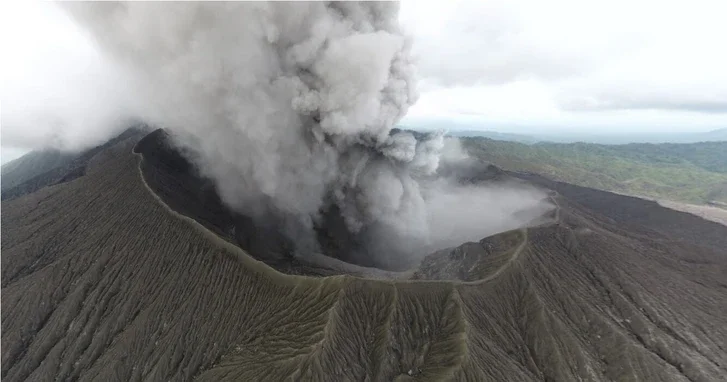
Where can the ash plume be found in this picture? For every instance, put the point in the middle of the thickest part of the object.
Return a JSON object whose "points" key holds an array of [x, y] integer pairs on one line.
{"points": [[289, 108]]}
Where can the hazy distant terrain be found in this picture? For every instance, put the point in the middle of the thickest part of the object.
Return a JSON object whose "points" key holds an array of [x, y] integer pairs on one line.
{"points": [[527, 134], [694, 173], [38, 169], [32, 164]]}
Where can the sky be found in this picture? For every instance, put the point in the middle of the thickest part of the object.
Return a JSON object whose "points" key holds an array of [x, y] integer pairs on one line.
{"points": [[57, 90], [613, 66], [508, 65]]}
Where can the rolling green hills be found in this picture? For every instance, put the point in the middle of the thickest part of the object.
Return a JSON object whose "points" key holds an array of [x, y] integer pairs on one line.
{"points": [[692, 173]]}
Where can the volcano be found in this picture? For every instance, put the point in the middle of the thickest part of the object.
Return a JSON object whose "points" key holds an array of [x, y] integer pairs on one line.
{"points": [[122, 263]]}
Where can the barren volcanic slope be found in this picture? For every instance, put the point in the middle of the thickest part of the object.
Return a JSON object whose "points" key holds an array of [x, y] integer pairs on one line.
{"points": [[101, 280]]}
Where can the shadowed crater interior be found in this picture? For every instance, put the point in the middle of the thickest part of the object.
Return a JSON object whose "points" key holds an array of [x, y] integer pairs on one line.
{"points": [[176, 181]]}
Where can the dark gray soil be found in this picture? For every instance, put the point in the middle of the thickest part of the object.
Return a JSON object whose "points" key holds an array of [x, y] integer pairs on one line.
{"points": [[103, 281]]}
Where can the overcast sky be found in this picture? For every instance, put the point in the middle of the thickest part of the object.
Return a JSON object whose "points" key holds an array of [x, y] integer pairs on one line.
{"points": [[610, 65], [519, 66]]}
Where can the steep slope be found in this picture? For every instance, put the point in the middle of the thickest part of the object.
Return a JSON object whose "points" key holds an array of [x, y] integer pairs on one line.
{"points": [[37, 170], [103, 281], [32, 164]]}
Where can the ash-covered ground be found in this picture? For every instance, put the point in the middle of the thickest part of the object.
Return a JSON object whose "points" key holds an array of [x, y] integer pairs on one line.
{"points": [[107, 276]]}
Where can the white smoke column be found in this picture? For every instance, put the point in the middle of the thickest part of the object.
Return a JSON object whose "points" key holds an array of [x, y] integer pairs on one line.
{"points": [[286, 105]]}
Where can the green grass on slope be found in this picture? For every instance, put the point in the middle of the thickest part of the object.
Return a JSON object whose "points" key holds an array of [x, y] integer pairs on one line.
{"points": [[694, 173]]}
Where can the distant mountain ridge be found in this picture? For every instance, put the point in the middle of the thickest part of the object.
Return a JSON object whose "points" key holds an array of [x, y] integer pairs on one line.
{"points": [[693, 173], [38, 169], [521, 134], [527, 139], [719, 135], [32, 164]]}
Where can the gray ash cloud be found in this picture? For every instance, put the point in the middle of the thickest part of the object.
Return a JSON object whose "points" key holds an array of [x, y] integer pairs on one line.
{"points": [[289, 107]]}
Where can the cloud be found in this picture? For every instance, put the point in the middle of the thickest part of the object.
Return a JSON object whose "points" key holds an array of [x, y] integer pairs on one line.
{"points": [[495, 42], [619, 64], [659, 77], [57, 91], [561, 60], [288, 107], [647, 101]]}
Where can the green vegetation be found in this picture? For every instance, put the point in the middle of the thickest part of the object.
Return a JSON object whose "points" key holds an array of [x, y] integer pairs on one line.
{"points": [[692, 173]]}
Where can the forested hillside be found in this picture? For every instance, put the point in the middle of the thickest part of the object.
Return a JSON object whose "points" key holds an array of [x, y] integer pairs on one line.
{"points": [[693, 173]]}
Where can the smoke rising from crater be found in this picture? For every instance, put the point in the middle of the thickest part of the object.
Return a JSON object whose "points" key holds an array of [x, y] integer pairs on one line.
{"points": [[288, 107]]}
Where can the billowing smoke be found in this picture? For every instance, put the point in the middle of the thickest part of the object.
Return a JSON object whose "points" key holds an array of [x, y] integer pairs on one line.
{"points": [[289, 107]]}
